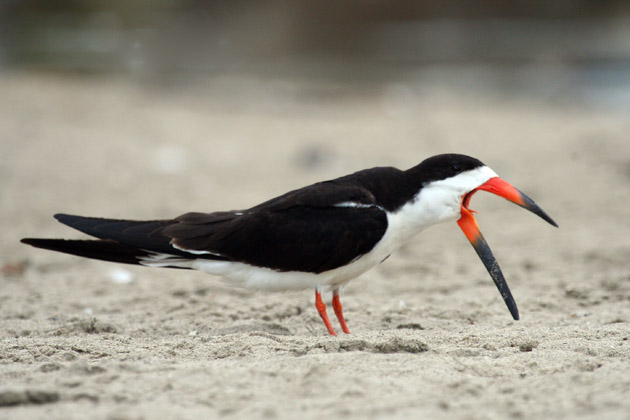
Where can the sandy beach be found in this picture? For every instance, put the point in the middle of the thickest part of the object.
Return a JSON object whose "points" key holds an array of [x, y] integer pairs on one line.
{"points": [[430, 336]]}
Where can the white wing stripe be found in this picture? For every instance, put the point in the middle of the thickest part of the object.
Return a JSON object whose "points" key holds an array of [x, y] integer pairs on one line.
{"points": [[356, 205], [195, 252]]}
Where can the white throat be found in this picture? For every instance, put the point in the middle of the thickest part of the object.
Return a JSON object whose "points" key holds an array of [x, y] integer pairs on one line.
{"points": [[437, 202]]}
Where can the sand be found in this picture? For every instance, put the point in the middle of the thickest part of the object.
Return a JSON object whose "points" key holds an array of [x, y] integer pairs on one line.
{"points": [[431, 337]]}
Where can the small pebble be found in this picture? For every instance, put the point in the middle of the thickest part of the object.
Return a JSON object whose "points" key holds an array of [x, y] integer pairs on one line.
{"points": [[121, 276]]}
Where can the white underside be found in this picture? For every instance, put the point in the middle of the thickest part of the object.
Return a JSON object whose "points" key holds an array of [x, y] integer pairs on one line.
{"points": [[436, 203]]}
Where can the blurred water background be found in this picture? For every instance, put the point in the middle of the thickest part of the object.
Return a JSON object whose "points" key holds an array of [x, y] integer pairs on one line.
{"points": [[563, 51]]}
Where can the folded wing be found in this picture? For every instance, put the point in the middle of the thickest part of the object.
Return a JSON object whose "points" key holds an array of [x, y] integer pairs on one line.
{"points": [[313, 229]]}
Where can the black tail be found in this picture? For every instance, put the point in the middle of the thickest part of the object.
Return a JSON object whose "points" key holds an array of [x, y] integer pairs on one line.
{"points": [[95, 249], [121, 241]]}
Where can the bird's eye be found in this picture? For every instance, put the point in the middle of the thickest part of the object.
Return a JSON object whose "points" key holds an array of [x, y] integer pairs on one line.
{"points": [[456, 167]]}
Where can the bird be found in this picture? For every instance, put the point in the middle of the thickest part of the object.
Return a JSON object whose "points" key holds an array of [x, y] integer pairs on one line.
{"points": [[320, 236]]}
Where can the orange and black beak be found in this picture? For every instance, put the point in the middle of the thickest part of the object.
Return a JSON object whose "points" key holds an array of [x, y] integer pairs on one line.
{"points": [[469, 226]]}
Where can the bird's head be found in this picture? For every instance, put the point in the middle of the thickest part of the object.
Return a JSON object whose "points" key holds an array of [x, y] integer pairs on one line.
{"points": [[455, 179]]}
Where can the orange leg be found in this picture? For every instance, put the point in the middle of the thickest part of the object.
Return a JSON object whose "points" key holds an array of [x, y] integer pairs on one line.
{"points": [[321, 308], [336, 303]]}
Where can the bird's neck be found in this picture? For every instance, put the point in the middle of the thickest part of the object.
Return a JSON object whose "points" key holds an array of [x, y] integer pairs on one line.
{"points": [[428, 207]]}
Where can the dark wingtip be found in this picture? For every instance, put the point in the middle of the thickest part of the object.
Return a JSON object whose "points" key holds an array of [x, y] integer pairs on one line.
{"points": [[38, 242], [63, 218]]}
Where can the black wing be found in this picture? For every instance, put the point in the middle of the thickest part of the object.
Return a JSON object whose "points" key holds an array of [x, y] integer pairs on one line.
{"points": [[313, 229], [132, 233]]}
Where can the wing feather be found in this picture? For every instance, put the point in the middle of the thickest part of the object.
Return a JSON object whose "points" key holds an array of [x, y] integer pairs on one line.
{"points": [[313, 229], [303, 230]]}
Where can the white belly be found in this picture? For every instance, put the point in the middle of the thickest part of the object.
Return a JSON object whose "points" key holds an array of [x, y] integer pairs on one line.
{"points": [[258, 278]]}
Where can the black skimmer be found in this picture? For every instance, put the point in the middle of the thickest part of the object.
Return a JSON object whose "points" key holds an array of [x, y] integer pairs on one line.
{"points": [[320, 236]]}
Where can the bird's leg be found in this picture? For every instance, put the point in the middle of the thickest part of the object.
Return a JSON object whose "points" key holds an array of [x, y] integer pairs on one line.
{"points": [[321, 308], [336, 304]]}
